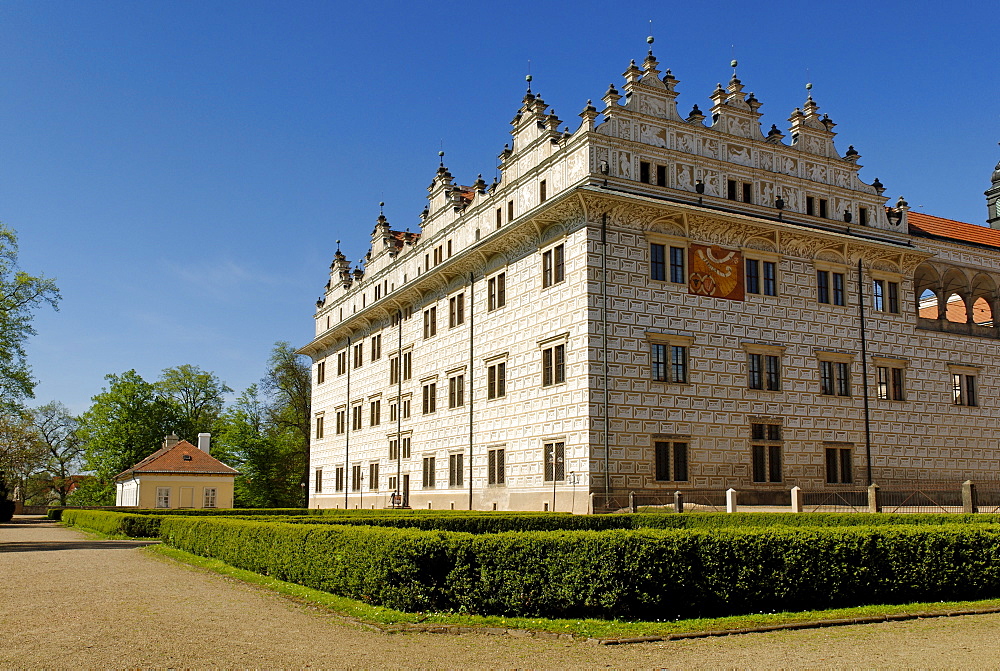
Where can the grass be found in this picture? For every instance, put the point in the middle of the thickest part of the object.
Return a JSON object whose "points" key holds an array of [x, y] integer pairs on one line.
{"points": [[581, 628]]}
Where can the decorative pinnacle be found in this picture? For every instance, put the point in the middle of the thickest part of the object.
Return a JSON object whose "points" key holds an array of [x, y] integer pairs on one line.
{"points": [[381, 204], [527, 78], [441, 157], [809, 87]]}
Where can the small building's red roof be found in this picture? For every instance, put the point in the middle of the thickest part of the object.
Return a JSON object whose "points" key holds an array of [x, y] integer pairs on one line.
{"points": [[927, 225], [172, 460]]}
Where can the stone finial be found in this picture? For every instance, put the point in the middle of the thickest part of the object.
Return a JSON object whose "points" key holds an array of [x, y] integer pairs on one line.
{"points": [[774, 135], [479, 185], [878, 186], [612, 96], [695, 116]]}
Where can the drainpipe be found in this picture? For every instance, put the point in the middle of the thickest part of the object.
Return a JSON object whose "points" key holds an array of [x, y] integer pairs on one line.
{"points": [[864, 375], [604, 345], [472, 302], [399, 410], [349, 417]]}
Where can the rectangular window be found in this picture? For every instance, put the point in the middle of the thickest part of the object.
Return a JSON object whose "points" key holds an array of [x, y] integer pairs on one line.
{"points": [[830, 287], [770, 278], [429, 472], [449, 249], [496, 466], [392, 412], [341, 421], [321, 372], [766, 452], [456, 391], [964, 389], [553, 266], [835, 378], [892, 297], [356, 418], [863, 216], [373, 476], [496, 380], [764, 371], [210, 495], [885, 296], [890, 383], [393, 455], [341, 362], [644, 172], [407, 365], [672, 370], [810, 206], [318, 481], [393, 450], [430, 398], [747, 192], [555, 457], [542, 191], [356, 476], [376, 412], [496, 291], [671, 461], [677, 275], [553, 365], [731, 189], [878, 295], [839, 465], [430, 322], [406, 408], [499, 217], [661, 175], [657, 262], [338, 479], [163, 497], [319, 427], [394, 369], [510, 210], [376, 347], [823, 210], [455, 471], [752, 276], [359, 355], [456, 310], [772, 372]]}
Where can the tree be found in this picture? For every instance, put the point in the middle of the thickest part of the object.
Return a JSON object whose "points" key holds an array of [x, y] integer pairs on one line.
{"points": [[125, 424], [198, 398], [20, 295], [289, 384], [56, 429], [20, 456]]}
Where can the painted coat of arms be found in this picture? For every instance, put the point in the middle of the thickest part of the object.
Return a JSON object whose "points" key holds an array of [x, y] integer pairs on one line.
{"points": [[715, 271]]}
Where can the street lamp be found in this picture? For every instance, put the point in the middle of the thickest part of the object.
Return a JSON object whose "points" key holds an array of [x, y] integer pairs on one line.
{"points": [[305, 499], [555, 462]]}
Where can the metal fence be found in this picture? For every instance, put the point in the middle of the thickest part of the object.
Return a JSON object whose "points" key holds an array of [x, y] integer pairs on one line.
{"points": [[891, 497]]}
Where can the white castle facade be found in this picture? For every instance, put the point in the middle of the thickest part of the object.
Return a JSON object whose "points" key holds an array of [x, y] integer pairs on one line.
{"points": [[657, 302]]}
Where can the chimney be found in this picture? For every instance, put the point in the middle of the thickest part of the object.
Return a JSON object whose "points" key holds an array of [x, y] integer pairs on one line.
{"points": [[204, 440], [170, 441]]}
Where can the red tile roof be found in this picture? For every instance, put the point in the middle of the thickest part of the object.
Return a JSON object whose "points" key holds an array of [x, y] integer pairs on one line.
{"points": [[172, 460], [930, 226]]}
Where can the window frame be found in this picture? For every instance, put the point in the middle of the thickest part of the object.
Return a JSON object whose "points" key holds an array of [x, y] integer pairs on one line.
{"points": [[766, 452], [671, 346], [890, 378], [554, 265], [764, 366], [838, 460], [496, 291], [554, 472], [964, 385], [496, 466], [671, 457], [831, 284]]}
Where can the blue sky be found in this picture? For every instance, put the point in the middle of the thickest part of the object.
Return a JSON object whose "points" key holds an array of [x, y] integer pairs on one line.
{"points": [[184, 169]]}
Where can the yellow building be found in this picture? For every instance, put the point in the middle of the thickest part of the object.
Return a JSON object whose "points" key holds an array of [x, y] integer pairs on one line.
{"points": [[178, 475]]}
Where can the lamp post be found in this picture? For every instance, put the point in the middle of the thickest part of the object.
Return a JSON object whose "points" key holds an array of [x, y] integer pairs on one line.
{"points": [[555, 462], [305, 499]]}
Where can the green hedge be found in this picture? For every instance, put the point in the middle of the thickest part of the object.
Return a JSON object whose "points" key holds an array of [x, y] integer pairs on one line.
{"points": [[501, 522], [646, 574], [115, 523]]}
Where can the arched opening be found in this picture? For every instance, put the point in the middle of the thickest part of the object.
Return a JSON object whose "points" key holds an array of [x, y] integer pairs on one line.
{"points": [[982, 313], [927, 305], [955, 309]]}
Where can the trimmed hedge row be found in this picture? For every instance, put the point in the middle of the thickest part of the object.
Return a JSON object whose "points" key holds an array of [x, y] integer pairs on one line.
{"points": [[502, 522], [115, 523], [56, 513], [646, 574]]}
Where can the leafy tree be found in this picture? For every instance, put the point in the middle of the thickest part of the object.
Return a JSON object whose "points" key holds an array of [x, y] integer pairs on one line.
{"points": [[20, 455], [20, 295], [289, 383], [56, 429], [92, 492], [197, 396], [125, 424]]}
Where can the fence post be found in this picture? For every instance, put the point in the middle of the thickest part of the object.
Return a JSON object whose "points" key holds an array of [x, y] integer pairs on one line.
{"points": [[874, 499], [796, 499], [678, 502], [631, 502], [969, 503], [593, 507], [730, 500]]}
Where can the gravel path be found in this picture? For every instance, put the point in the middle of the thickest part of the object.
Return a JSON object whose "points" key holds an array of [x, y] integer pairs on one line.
{"points": [[70, 601]]}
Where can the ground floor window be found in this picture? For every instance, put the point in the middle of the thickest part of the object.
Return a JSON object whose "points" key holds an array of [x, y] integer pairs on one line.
{"points": [[210, 497], [496, 466], [671, 460], [765, 452], [339, 479], [455, 471], [429, 468], [163, 497], [373, 476], [555, 458], [839, 465]]}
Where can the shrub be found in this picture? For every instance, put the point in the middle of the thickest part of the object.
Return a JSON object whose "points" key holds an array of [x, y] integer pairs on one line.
{"points": [[114, 523]]}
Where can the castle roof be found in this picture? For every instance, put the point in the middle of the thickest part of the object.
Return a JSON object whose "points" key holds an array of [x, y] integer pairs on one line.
{"points": [[928, 226], [182, 458]]}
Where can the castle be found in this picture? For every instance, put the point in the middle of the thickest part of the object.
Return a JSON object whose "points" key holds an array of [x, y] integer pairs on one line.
{"points": [[657, 301]]}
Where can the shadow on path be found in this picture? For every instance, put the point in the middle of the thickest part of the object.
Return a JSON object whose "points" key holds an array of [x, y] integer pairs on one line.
{"points": [[46, 546]]}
